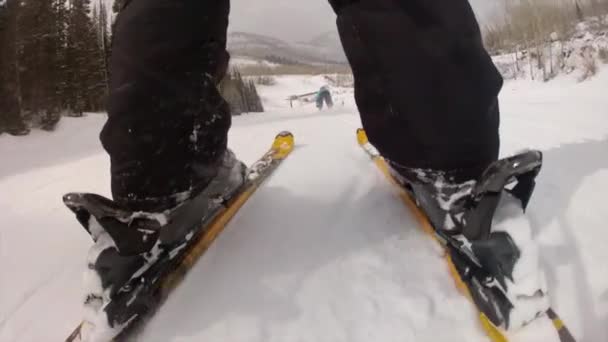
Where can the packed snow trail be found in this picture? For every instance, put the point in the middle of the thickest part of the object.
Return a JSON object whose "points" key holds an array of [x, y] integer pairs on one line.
{"points": [[324, 251], [320, 250]]}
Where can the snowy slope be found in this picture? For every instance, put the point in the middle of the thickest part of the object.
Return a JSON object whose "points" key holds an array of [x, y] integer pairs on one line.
{"points": [[324, 251]]}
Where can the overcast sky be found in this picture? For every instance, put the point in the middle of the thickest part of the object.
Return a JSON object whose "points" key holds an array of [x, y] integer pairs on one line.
{"points": [[300, 20]]}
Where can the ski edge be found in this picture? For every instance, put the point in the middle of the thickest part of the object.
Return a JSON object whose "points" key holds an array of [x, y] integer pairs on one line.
{"points": [[281, 148], [492, 331]]}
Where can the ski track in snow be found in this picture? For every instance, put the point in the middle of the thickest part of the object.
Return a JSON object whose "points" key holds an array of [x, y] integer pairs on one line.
{"points": [[324, 251]]}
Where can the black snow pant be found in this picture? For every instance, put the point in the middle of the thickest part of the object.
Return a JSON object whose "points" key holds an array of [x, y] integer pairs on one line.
{"points": [[425, 87]]}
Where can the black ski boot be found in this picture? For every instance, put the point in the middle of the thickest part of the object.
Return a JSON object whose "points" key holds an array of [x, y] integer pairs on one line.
{"points": [[133, 248], [467, 206], [478, 220]]}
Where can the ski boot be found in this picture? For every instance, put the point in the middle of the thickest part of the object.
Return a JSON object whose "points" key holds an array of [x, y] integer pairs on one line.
{"points": [[134, 249], [482, 224]]}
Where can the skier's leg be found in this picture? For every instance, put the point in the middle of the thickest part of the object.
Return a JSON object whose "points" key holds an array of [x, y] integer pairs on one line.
{"points": [[167, 127], [424, 84], [329, 101], [427, 92], [166, 135]]}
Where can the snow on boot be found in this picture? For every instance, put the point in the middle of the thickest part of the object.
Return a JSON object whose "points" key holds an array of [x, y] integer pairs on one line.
{"points": [[132, 247], [489, 238]]}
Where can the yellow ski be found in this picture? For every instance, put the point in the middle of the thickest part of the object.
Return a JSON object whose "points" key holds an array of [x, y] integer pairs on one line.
{"points": [[282, 146], [495, 333]]}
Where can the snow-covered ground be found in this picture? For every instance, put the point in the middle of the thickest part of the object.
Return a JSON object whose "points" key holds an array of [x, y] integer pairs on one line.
{"points": [[324, 251]]}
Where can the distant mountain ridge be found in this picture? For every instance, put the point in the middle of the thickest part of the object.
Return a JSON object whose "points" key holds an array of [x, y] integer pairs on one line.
{"points": [[323, 49]]}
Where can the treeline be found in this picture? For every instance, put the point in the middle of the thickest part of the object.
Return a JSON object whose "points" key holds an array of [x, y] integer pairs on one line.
{"points": [[540, 39], [281, 60], [241, 94], [525, 23], [53, 61]]}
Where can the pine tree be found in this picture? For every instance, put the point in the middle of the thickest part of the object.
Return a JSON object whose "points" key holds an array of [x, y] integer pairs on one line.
{"points": [[254, 99], [241, 95], [84, 59], [40, 59], [10, 96], [60, 29], [117, 6], [56, 59], [100, 22], [579, 11], [104, 39]]}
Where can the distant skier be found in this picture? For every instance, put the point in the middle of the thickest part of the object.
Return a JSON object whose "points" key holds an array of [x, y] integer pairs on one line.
{"points": [[324, 96], [425, 87]]}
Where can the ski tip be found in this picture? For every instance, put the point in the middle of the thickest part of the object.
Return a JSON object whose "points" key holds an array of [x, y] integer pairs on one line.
{"points": [[75, 200], [284, 134], [283, 144], [71, 200], [362, 137]]}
